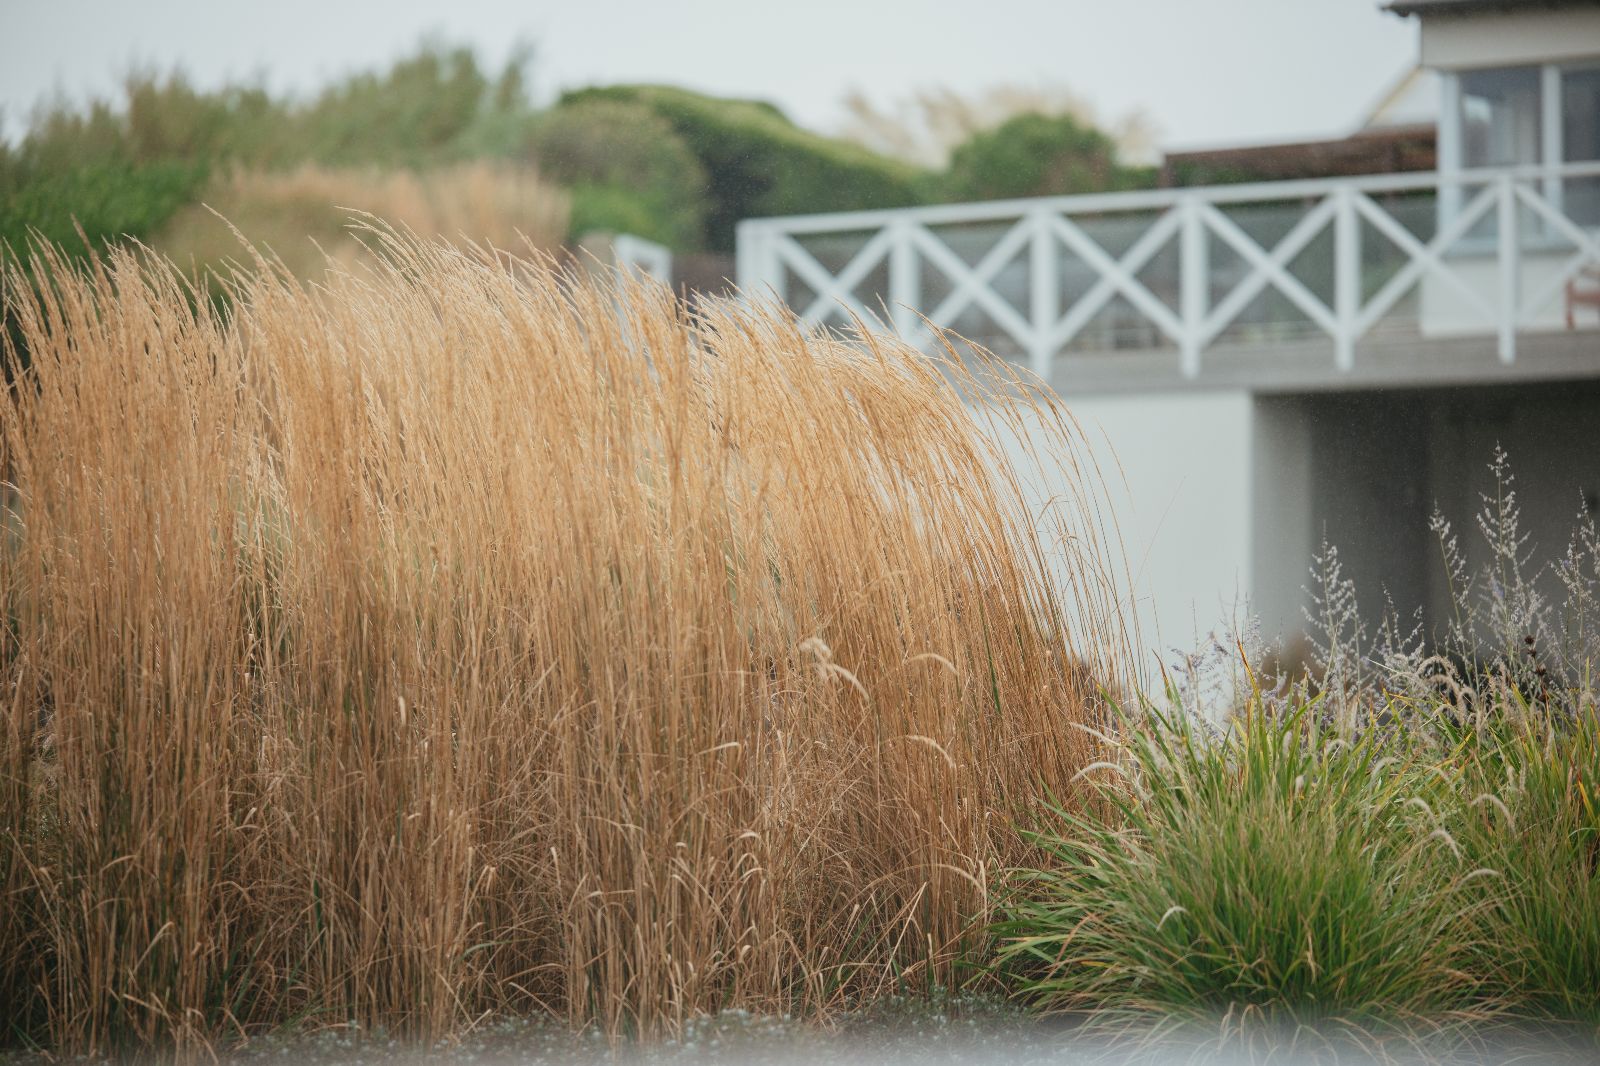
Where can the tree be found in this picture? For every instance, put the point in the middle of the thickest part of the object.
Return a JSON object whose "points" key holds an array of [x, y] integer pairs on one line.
{"points": [[1039, 155], [927, 126]]}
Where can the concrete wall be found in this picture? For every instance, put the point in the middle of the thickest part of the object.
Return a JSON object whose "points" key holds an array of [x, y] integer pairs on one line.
{"points": [[1177, 476], [1364, 471], [1222, 499]]}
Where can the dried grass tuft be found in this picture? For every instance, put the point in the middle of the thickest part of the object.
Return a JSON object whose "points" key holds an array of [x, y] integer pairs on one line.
{"points": [[454, 637], [303, 215]]}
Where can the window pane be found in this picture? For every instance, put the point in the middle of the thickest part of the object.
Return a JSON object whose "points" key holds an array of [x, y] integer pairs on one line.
{"points": [[1500, 117], [1580, 141], [1580, 114]]}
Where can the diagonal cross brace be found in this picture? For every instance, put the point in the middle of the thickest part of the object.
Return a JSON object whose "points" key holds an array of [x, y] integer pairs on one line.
{"points": [[1588, 249], [835, 290], [972, 283], [1270, 269], [1117, 275], [1126, 268], [1423, 257]]}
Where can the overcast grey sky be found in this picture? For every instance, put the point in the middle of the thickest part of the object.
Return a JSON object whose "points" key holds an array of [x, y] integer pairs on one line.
{"points": [[1206, 71]]}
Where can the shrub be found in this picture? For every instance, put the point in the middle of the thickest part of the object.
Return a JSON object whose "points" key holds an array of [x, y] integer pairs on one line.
{"points": [[422, 110], [1405, 836], [124, 169], [629, 171], [616, 209], [1039, 155], [759, 163]]}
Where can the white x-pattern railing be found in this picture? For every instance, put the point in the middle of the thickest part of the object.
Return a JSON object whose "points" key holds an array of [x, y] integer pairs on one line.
{"points": [[1525, 206]]}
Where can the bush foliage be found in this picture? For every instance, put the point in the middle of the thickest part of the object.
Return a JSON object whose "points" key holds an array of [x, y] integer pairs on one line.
{"points": [[628, 169], [1039, 155], [124, 170], [759, 163], [1268, 877]]}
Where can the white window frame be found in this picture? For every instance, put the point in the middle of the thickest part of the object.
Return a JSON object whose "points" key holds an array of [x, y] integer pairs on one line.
{"points": [[1552, 135]]}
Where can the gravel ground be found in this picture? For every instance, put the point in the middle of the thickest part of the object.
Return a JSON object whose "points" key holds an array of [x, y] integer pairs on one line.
{"points": [[968, 1032]]}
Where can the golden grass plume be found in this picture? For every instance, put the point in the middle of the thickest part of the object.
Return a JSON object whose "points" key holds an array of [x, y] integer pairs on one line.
{"points": [[452, 637]]}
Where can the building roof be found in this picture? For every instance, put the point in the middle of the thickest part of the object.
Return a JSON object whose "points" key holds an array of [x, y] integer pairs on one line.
{"points": [[1380, 150], [1411, 100], [1468, 7]]}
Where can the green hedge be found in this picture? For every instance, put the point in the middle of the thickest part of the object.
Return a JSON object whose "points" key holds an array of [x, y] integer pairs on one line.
{"points": [[108, 200], [759, 163]]}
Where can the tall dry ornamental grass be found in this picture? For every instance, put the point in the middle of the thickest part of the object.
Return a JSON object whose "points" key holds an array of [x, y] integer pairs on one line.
{"points": [[461, 637]]}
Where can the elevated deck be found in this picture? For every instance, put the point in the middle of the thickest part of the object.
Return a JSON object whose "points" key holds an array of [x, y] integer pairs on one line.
{"points": [[1396, 280]]}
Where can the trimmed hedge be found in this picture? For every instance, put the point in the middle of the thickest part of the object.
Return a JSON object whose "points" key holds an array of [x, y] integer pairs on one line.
{"points": [[760, 163]]}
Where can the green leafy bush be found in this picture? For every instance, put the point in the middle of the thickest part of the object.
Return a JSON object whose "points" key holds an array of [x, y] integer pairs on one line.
{"points": [[759, 163], [617, 209], [1039, 155], [628, 169], [419, 111]]}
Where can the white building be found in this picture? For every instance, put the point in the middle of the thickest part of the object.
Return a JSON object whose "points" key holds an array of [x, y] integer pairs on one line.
{"points": [[1285, 363]]}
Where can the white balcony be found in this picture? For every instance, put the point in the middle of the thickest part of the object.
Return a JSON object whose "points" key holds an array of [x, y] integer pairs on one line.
{"points": [[1404, 279]]}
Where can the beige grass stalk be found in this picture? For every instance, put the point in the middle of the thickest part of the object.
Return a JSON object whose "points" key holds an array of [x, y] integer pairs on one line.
{"points": [[302, 215], [452, 638]]}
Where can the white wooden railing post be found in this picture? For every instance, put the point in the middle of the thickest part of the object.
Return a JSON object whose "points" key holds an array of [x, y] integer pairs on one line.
{"points": [[1347, 276], [746, 237], [1510, 260], [1449, 147], [639, 256], [1044, 298], [755, 264], [1550, 120], [905, 282], [1194, 283]]}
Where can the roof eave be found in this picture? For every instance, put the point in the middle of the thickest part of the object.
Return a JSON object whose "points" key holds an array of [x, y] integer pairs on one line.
{"points": [[1406, 8]]}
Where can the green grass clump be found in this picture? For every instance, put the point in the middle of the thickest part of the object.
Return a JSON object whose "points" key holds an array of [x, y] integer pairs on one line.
{"points": [[1402, 840], [1532, 789], [1273, 875]]}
